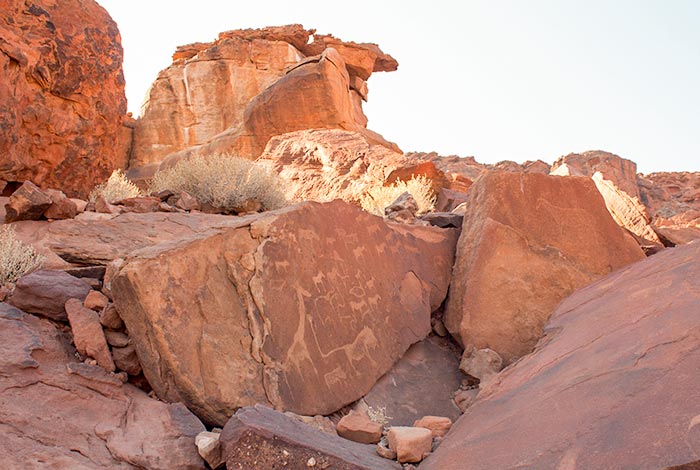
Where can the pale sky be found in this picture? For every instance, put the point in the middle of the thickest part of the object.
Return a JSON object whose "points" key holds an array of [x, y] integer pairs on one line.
{"points": [[497, 80]]}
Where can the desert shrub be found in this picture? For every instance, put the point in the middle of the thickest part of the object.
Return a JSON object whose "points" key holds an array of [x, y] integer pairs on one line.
{"points": [[378, 415], [117, 187], [16, 258], [377, 198], [224, 182]]}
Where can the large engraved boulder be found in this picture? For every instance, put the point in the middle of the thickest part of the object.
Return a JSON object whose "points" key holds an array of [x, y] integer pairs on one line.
{"points": [[302, 308]]}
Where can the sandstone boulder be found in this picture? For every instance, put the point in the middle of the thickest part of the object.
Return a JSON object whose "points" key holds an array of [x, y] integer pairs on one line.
{"points": [[259, 437], [27, 203], [438, 425], [61, 206], [46, 293], [312, 304], [613, 384], [327, 164], [59, 413], [528, 241], [63, 104]]}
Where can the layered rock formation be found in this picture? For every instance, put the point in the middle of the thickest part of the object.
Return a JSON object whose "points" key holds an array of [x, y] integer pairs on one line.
{"points": [[62, 102], [312, 304], [613, 384], [266, 82], [528, 241], [56, 412]]}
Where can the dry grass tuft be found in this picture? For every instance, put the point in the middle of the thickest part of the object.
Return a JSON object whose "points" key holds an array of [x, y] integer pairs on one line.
{"points": [[376, 199], [117, 187], [224, 182], [16, 258]]}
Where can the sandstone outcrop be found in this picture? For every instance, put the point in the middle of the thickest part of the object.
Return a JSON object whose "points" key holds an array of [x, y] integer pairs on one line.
{"points": [[613, 384], [62, 101], [673, 200], [312, 304], [528, 241], [59, 413], [259, 437], [327, 164], [265, 82], [616, 180], [620, 171]]}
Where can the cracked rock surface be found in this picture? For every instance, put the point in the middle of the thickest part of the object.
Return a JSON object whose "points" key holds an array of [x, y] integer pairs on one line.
{"points": [[58, 413], [613, 384], [302, 308]]}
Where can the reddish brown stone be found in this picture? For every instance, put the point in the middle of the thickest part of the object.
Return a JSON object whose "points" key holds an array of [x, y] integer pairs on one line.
{"points": [[356, 426], [410, 444], [62, 94], [96, 301], [27, 203], [46, 293], [528, 241], [263, 291], [125, 359], [613, 384], [61, 206], [140, 204], [88, 336], [439, 425], [59, 413], [259, 437]]}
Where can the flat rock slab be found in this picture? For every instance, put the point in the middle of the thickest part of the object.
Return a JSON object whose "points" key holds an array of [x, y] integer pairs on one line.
{"points": [[58, 413], [311, 305], [259, 437], [527, 242], [615, 383], [97, 242], [429, 368]]}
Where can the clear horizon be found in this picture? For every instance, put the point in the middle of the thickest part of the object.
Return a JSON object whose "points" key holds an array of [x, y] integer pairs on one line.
{"points": [[494, 80]]}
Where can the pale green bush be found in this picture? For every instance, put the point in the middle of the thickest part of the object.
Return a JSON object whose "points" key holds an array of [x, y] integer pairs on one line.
{"points": [[16, 258], [224, 182], [377, 198], [117, 187]]}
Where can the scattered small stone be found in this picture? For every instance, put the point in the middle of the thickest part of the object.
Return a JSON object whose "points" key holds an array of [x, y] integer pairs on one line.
{"points": [[311, 462], [209, 448], [483, 364], [117, 338], [465, 397], [109, 318], [126, 359], [88, 336], [384, 451], [187, 202], [410, 444], [357, 426], [96, 301], [439, 425], [104, 207]]}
